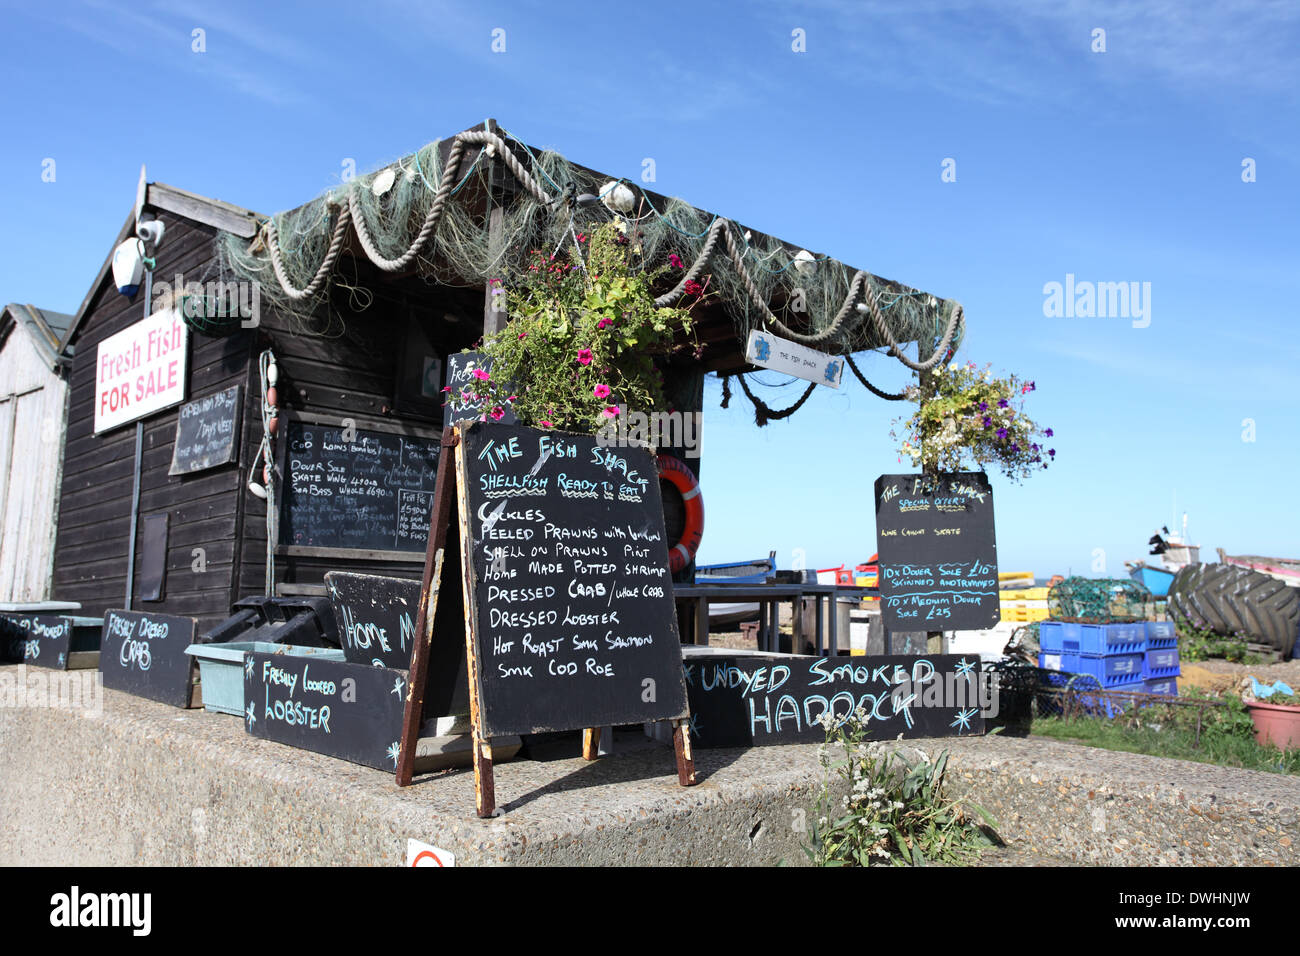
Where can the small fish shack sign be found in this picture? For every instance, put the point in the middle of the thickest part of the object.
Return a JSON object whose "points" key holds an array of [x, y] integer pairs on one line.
{"points": [[207, 432], [141, 370], [782, 355], [938, 556], [144, 654], [40, 639]]}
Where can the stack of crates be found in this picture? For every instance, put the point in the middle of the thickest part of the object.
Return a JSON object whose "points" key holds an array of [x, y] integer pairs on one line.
{"points": [[1115, 654], [1160, 667], [1024, 605]]}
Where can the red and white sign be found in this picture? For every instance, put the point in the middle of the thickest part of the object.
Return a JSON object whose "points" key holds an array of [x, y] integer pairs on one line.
{"points": [[424, 854], [141, 369]]}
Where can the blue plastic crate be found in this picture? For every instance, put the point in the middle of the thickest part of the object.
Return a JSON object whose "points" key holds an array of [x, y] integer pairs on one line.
{"points": [[1161, 663], [1160, 634], [1099, 639], [1112, 669], [1054, 661], [1162, 685], [1058, 637]]}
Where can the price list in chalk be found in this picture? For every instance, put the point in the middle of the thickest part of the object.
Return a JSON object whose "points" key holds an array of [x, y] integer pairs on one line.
{"points": [[356, 488], [938, 552], [573, 597]]}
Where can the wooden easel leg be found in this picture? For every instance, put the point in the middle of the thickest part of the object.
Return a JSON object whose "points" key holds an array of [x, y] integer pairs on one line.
{"points": [[591, 743], [682, 748], [485, 791]]}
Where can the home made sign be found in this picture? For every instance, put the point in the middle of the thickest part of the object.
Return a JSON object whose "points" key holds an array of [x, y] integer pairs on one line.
{"points": [[144, 654], [938, 556]]}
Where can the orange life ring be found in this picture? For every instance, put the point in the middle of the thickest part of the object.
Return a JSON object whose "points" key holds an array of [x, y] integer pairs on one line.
{"points": [[674, 471]]}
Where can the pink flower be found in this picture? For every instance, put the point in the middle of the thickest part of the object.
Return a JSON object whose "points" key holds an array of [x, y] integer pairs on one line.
{"points": [[611, 411], [584, 356], [481, 375], [675, 261], [446, 388], [692, 287], [601, 391], [498, 413], [523, 335], [545, 424], [604, 323]]}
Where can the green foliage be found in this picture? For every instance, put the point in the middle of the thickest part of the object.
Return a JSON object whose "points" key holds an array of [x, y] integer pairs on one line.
{"points": [[966, 417], [1227, 734], [1197, 644], [875, 807], [583, 337]]}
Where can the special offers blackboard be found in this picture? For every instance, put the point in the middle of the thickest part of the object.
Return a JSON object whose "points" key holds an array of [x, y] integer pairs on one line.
{"points": [[938, 554], [571, 599], [207, 432], [357, 488], [144, 654]]}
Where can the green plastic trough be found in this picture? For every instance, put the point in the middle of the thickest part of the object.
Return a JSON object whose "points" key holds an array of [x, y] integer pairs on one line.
{"points": [[221, 669]]}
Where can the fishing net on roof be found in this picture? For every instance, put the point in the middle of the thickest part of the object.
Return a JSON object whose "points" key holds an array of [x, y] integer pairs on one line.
{"points": [[758, 279]]}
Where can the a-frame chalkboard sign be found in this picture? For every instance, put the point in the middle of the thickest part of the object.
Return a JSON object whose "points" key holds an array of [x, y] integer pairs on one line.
{"points": [[558, 548]]}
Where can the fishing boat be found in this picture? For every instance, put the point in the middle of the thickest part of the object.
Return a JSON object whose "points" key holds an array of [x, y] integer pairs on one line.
{"points": [[1175, 554], [1286, 570]]}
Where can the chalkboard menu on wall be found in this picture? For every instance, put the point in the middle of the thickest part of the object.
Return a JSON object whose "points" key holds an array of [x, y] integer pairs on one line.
{"points": [[938, 556], [207, 432], [572, 602], [367, 489], [144, 654]]}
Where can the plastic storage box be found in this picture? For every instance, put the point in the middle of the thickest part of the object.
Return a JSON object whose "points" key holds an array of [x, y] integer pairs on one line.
{"points": [[1161, 663], [221, 669]]}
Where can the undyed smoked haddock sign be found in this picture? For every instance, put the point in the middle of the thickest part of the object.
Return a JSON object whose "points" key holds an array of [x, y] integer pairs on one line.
{"points": [[570, 621], [938, 553]]}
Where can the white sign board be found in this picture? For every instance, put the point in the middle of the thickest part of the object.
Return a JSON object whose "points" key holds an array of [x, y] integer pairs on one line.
{"points": [[424, 854], [782, 355], [141, 369]]}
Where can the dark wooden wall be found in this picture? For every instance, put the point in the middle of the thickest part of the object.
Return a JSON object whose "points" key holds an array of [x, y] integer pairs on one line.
{"points": [[94, 519]]}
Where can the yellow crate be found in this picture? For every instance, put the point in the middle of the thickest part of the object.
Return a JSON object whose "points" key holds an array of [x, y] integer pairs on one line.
{"points": [[1006, 577], [1024, 594], [1024, 615], [865, 581]]}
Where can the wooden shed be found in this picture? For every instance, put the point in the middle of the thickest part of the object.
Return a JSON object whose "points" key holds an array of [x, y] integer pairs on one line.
{"points": [[360, 334], [33, 407]]}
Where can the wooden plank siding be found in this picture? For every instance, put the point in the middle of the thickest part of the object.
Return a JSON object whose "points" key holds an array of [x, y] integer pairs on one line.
{"points": [[92, 546]]}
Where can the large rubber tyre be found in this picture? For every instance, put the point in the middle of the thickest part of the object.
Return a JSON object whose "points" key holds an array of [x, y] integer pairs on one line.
{"points": [[1231, 601]]}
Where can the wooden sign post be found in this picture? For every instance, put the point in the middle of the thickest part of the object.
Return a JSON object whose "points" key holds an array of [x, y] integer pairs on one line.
{"points": [[569, 620]]}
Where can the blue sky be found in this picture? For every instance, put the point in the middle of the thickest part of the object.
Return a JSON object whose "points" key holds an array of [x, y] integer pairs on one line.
{"points": [[1117, 166]]}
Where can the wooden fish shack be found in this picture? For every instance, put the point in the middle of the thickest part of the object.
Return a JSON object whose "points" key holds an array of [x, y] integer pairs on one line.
{"points": [[265, 406]]}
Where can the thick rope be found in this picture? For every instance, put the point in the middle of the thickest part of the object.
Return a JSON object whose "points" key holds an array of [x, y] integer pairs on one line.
{"points": [[706, 253], [763, 413], [322, 272], [941, 350], [871, 388]]}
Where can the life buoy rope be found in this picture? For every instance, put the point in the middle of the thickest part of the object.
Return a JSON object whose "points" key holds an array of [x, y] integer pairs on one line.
{"points": [[674, 471]]}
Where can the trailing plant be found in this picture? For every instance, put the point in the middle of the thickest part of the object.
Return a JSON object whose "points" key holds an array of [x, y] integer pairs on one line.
{"points": [[876, 808], [583, 337], [968, 417], [1198, 644]]}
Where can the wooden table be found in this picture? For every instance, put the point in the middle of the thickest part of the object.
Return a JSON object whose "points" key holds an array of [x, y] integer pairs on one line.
{"points": [[769, 597]]}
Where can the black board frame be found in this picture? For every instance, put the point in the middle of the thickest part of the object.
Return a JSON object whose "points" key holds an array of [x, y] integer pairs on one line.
{"points": [[176, 687], [290, 416], [232, 456], [451, 506]]}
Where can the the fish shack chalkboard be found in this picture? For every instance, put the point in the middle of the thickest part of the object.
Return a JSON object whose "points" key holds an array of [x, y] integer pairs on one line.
{"points": [[207, 432], [938, 556], [348, 487], [144, 654], [571, 601]]}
